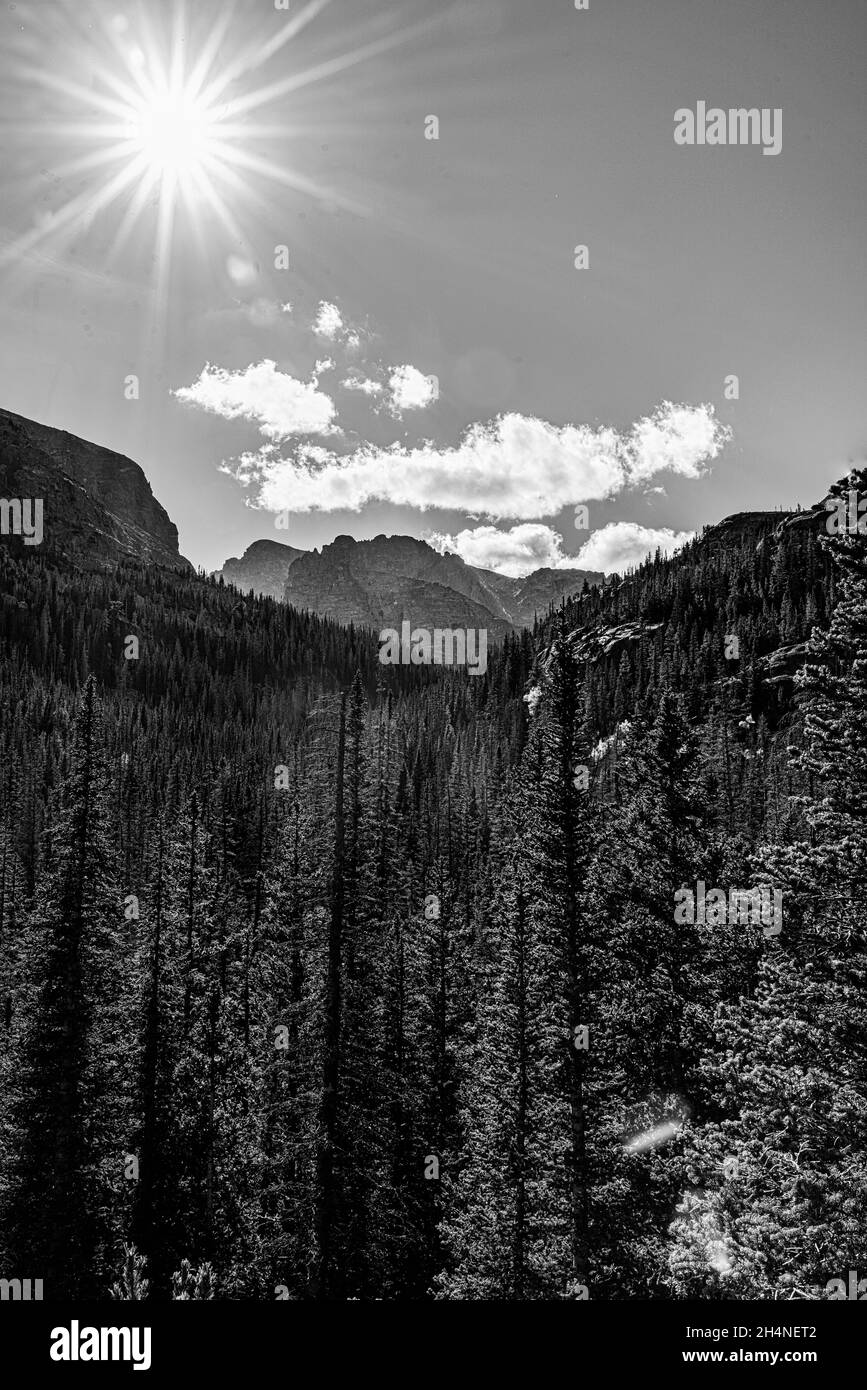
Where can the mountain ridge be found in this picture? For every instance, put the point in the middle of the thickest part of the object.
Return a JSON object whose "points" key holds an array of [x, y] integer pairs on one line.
{"points": [[379, 582], [262, 568]]}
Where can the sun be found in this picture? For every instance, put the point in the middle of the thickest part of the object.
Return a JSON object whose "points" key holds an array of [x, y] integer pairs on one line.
{"points": [[175, 133], [161, 115]]}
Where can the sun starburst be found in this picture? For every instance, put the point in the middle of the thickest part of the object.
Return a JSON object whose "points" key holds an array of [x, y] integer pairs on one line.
{"points": [[161, 124]]}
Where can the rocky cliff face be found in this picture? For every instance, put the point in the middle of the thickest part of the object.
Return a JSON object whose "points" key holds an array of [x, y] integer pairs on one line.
{"points": [[538, 590], [263, 568], [378, 583], [94, 501]]}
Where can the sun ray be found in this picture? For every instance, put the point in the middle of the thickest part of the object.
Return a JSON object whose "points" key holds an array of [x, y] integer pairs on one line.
{"points": [[81, 207], [96, 159], [218, 206], [160, 288], [55, 82], [82, 165], [191, 199], [247, 193], [131, 216], [330, 68], [301, 184], [254, 57], [165, 223], [208, 55], [234, 130], [65, 129], [153, 49], [137, 75], [178, 43], [110, 194], [127, 94]]}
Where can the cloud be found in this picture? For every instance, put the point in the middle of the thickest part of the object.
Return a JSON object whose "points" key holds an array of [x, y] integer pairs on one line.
{"points": [[328, 322], [515, 467], [331, 325], [364, 384], [281, 405], [412, 390], [623, 544], [532, 545], [516, 552], [676, 439]]}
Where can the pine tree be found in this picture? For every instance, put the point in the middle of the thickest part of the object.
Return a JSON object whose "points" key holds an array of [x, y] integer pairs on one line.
{"points": [[61, 1201], [779, 1195], [522, 1222]]}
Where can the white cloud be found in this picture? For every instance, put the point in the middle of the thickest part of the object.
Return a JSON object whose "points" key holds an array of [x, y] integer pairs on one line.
{"points": [[676, 439], [286, 308], [516, 552], [364, 384], [515, 467], [623, 544], [328, 322], [412, 390], [281, 405]]}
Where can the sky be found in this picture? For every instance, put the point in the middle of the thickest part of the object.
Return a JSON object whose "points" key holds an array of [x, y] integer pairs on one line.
{"points": [[313, 265]]}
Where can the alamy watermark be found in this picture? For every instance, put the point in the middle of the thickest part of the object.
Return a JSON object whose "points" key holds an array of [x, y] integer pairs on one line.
{"points": [[22, 516], [21, 1290], [422, 646], [847, 516], [739, 907], [77, 1343], [856, 1289], [738, 126]]}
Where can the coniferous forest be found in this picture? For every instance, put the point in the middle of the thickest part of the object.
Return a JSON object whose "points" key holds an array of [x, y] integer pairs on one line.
{"points": [[323, 980]]}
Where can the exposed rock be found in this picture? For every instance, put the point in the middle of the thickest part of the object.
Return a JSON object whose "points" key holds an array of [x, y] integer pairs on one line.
{"points": [[95, 501], [543, 587], [380, 582], [756, 528], [593, 643], [263, 568], [748, 522], [784, 663], [841, 491]]}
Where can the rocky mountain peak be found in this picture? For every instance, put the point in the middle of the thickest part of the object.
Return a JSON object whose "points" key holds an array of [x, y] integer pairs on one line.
{"points": [[95, 501], [377, 583], [263, 568]]}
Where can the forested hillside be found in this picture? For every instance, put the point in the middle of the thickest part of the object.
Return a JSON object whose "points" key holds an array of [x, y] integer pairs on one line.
{"points": [[321, 979]]}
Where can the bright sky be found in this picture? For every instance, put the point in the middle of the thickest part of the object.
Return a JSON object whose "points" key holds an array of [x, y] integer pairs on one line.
{"points": [[430, 361]]}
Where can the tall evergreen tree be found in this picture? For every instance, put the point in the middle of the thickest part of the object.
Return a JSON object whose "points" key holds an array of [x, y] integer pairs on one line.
{"points": [[779, 1196], [71, 1093]]}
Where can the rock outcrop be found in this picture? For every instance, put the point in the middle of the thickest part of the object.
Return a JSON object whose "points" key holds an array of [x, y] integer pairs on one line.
{"points": [[95, 502], [263, 568], [380, 582]]}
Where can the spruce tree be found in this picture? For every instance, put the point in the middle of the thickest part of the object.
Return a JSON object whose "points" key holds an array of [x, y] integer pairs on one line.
{"points": [[778, 1195], [71, 1088]]}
